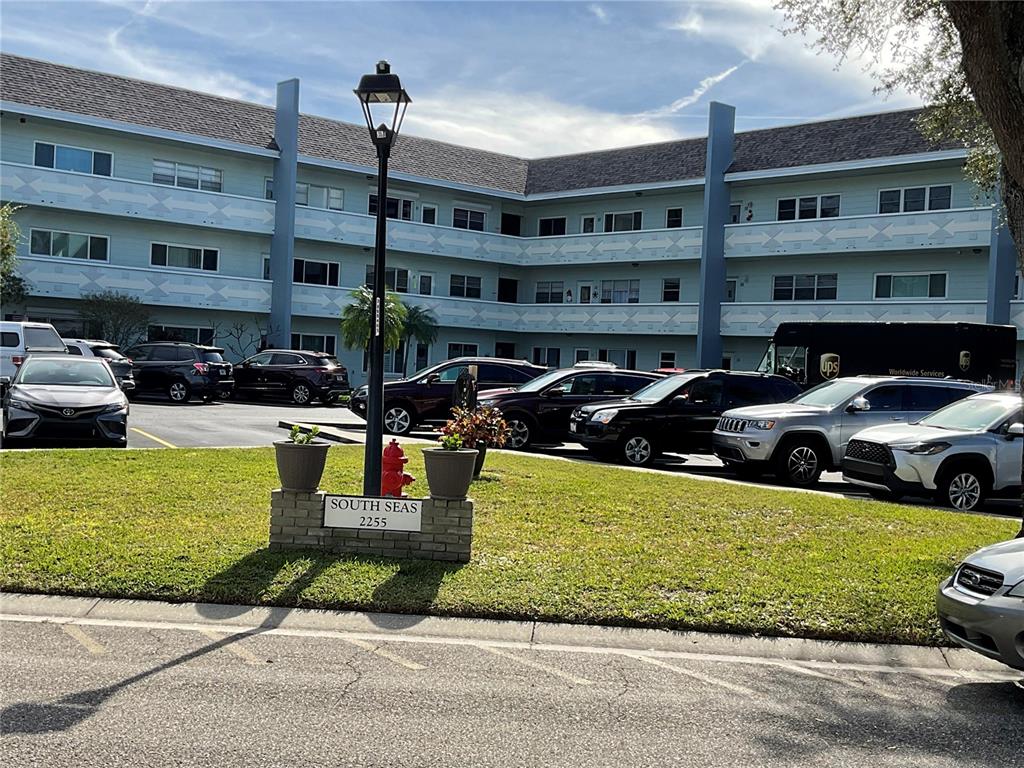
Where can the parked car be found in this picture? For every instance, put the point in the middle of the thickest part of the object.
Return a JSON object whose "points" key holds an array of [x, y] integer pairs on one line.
{"points": [[426, 397], [59, 397], [180, 370], [538, 411], [120, 365], [981, 606], [960, 455], [674, 414], [300, 376], [18, 339], [801, 438]]}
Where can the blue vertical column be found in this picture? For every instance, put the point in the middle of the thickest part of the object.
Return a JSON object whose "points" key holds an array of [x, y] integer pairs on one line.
{"points": [[721, 131], [282, 244], [1002, 263]]}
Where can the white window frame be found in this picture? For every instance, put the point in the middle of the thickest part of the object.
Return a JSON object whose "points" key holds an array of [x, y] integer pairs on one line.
{"points": [[600, 295], [903, 194], [817, 277], [546, 356], [735, 290], [433, 282], [324, 336], [576, 355], [613, 214], [401, 204], [563, 219], [583, 218], [317, 261], [200, 168], [817, 206], [914, 273], [70, 258], [679, 288], [661, 358], [625, 356], [408, 278], [54, 167], [475, 345], [189, 270], [682, 216], [739, 204], [424, 208], [550, 284], [469, 209], [196, 328], [464, 286]]}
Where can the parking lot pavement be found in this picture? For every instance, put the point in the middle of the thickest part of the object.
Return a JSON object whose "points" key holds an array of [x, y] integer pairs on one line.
{"points": [[99, 692]]}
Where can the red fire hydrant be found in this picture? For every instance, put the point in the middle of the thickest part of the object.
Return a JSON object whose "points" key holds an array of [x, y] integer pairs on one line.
{"points": [[393, 478]]}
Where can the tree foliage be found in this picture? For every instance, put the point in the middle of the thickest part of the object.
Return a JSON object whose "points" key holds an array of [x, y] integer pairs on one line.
{"points": [[420, 325], [115, 317], [13, 287], [355, 320]]}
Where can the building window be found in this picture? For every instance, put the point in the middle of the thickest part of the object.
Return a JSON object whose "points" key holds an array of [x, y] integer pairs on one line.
{"points": [[804, 287], [670, 289], [428, 214], [623, 222], [458, 349], [68, 245], [667, 360], [730, 291], [188, 176], [816, 207], [311, 195], [549, 356], [465, 286], [395, 278], [620, 291], [393, 359], [314, 342], [623, 358], [397, 208], [580, 355], [76, 159], [313, 272], [674, 218], [735, 212], [911, 286], [551, 227], [463, 218], [422, 356], [183, 256], [426, 285], [587, 224], [549, 292], [911, 199], [188, 334]]}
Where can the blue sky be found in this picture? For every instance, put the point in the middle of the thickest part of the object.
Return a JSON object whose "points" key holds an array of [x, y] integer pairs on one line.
{"points": [[531, 79]]}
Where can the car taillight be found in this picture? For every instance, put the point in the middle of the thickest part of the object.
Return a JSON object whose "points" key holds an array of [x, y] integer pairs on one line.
{"points": [[201, 368], [17, 359]]}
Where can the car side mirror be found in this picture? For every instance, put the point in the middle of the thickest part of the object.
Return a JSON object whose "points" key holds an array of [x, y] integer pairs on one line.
{"points": [[1014, 431], [555, 392], [858, 404], [433, 378], [126, 385]]}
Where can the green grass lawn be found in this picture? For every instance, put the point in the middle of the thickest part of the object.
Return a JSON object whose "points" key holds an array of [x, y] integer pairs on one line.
{"points": [[553, 540]]}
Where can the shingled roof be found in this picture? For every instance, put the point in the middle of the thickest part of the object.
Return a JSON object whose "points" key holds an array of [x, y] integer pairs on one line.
{"points": [[95, 94]]}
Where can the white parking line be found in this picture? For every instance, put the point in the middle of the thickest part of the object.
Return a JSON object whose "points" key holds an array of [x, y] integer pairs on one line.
{"points": [[742, 690], [536, 665], [238, 650], [90, 644], [385, 654]]}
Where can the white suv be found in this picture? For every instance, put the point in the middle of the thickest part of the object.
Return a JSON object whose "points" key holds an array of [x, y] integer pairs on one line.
{"points": [[18, 339], [961, 454]]}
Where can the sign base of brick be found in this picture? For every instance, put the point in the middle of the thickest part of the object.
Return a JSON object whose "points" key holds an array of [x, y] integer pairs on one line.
{"points": [[296, 522]]}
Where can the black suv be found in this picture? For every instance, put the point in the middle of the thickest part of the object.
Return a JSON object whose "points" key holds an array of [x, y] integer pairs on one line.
{"points": [[538, 411], [675, 414], [179, 370], [297, 375], [426, 397]]}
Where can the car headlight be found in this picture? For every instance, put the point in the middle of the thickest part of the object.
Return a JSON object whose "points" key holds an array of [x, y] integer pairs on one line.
{"points": [[115, 407], [361, 393], [1017, 591], [921, 449], [603, 417], [761, 424], [23, 404], [486, 403]]}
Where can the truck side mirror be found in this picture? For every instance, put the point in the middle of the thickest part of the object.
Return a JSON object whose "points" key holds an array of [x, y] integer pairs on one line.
{"points": [[858, 404], [1014, 431]]}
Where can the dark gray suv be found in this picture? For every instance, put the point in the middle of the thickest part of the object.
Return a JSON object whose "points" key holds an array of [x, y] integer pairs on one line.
{"points": [[178, 370]]}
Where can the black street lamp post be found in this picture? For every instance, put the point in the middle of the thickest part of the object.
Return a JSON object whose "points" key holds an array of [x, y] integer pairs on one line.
{"points": [[379, 92]]}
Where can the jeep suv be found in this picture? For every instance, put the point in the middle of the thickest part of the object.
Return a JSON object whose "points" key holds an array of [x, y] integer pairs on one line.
{"points": [[426, 397], [675, 414], [179, 370], [801, 438], [961, 454], [538, 411]]}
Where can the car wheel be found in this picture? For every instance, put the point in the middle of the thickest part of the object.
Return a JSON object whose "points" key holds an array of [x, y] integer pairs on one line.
{"points": [[638, 451], [879, 495], [519, 433], [962, 488], [302, 394], [397, 420], [179, 391], [799, 463]]}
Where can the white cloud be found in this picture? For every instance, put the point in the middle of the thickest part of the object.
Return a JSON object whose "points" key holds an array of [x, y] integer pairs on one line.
{"points": [[527, 125], [599, 12]]}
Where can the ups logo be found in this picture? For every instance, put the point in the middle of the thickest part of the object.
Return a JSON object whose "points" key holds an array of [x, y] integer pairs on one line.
{"points": [[965, 359], [829, 365]]}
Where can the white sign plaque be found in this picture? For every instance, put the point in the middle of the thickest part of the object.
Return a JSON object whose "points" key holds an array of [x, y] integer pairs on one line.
{"points": [[373, 513]]}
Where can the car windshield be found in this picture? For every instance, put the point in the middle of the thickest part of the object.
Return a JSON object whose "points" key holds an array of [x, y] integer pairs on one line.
{"points": [[327, 362], [972, 414], [109, 353], [73, 372], [42, 338], [830, 393], [660, 389], [545, 379], [212, 357]]}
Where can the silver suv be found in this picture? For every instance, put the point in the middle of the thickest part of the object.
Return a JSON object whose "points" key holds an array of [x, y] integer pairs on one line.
{"points": [[801, 438], [961, 454]]}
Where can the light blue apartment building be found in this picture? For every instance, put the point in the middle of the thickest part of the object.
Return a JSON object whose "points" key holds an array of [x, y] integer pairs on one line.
{"points": [[670, 255]]}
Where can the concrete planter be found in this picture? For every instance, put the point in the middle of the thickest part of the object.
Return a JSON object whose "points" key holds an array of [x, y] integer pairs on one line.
{"points": [[449, 473], [300, 467]]}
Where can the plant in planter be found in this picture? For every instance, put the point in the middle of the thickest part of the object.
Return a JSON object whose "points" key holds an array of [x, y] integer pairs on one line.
{"points": [[301, 459], [480, 428], [449, 467]]}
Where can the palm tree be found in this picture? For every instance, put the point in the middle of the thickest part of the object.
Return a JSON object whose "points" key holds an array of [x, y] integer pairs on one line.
{"points": [[420, 325], [355, 320]]}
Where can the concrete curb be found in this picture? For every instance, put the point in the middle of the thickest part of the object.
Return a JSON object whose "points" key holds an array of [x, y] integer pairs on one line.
{"points": [[540, 635]]}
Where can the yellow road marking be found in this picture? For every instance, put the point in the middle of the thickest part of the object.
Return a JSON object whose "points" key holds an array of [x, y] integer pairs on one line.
{"points": [[537, 665], [91, 645], [743, 691], [154, 438], [240, 651], [385, 654]]}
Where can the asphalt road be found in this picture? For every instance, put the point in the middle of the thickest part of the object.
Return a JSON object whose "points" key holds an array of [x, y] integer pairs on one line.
{"points": [[113, 695]]}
